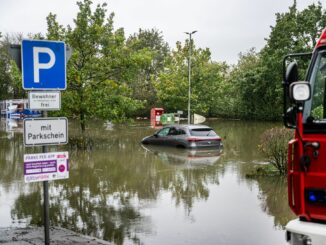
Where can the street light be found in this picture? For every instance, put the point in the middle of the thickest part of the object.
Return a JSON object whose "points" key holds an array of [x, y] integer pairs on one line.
{"points": [[189, 72]]}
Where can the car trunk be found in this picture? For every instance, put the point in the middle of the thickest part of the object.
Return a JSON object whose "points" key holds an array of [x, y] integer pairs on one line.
{"points": [[204, 137], [204, 141]]}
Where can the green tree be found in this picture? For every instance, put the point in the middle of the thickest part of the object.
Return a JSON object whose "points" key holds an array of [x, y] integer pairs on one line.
{"points": [[257, 76], [172, 83], [294, 32], [97, 70], [249, 86], [10, 75], [149, 51], [206, 81], [209, 85], [273, 144], [4, 73]]}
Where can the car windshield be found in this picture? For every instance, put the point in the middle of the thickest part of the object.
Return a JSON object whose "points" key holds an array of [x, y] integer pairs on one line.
{"points": [[315, 108], [163, 132], [202, 132]]}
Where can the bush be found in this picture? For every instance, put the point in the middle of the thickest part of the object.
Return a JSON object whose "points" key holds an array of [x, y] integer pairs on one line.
{"points": [[274, 145]]}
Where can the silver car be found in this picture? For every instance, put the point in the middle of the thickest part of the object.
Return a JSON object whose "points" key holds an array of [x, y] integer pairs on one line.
{"points": [[185, 136]]}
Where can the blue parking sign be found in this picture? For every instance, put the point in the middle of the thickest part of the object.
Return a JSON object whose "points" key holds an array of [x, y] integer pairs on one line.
{"points": [[43, 65]]}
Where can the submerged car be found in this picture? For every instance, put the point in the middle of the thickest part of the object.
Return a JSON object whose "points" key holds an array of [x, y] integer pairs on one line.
{"points": [[185, 136]]}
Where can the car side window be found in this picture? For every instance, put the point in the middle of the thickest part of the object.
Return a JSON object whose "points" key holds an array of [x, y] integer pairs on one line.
{"points": [[163, 132], [173, 131], [180, 131]]}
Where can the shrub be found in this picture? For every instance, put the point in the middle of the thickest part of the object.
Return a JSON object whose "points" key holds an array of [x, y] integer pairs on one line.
{"points": [[274, 145]]}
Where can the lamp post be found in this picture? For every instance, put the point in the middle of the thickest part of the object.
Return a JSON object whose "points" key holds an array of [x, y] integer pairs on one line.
{"points": [[189, 72]]}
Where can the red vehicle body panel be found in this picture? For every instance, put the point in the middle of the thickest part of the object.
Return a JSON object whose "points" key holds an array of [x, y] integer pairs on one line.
{"points": [[307, 178]]}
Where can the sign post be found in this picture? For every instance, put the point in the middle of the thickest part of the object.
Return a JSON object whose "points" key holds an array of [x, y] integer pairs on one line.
{"points": [[46, 211], [43, 65]]}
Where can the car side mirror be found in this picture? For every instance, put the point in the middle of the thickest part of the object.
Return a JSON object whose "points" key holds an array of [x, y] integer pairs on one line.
{"points": [[291, 117], [291, 74], [155, 135]]}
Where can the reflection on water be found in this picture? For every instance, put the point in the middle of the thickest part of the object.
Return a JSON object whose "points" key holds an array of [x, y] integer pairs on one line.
{"points": [[124, 192], [10, 126], [273, 196], [185, 158]]}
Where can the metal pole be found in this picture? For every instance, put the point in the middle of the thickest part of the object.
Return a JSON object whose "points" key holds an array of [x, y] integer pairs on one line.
{"points": [[189, 79], [46, 212], [46, 200], [189, 75]]}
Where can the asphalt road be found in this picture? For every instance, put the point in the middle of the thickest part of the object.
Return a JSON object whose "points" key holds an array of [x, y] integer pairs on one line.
{"points": [[35, 236]]}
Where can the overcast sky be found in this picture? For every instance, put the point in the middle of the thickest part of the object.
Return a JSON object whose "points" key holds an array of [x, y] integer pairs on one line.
{"points": [[226, 27]]}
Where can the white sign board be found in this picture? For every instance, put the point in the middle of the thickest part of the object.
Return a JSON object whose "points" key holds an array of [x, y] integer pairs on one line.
{"points": [[45, 131], [44, 100], [46, 166]]}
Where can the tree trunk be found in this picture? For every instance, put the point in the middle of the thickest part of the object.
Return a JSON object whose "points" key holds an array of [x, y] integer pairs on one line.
{"points": [[82, 112], [82, 122]]}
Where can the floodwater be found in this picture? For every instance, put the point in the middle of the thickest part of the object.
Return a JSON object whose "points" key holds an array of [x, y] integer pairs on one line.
{"points": [[126, 193]]}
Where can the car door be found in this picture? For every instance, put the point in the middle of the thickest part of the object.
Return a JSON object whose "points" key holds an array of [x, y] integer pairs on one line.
{"points": [[171, 137], [161, 137]]}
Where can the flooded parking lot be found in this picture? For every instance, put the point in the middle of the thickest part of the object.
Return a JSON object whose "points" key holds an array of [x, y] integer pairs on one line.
{"points": [[124, 192]]}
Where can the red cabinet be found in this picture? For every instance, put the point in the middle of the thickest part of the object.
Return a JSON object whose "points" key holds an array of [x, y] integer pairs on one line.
{"points": [[155, 116]]}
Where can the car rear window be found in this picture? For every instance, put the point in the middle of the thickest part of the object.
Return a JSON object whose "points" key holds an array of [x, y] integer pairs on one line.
{"points": [[202, 132]]}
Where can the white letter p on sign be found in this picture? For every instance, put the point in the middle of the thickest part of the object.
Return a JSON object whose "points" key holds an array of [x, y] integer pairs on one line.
{"points": [[38, 65]]}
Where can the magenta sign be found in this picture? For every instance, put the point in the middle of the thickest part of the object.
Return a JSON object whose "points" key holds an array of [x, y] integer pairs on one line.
{"points": [[46, 166], [40, 167]]}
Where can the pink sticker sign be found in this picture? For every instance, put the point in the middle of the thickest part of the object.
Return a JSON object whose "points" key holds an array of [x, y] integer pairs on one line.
{"points": [[46, 166]]}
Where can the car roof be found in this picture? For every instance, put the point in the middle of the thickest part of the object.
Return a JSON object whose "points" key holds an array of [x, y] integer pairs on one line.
{"points": [[189, 126]]}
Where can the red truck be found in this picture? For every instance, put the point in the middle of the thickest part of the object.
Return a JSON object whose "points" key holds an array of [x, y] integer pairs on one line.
{"points": [[305, 112]]}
